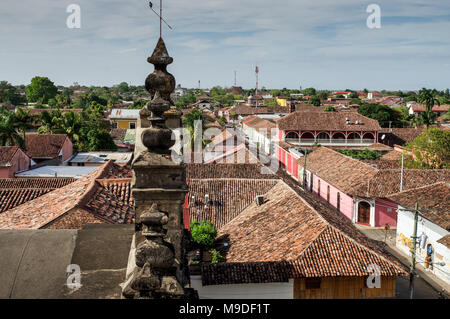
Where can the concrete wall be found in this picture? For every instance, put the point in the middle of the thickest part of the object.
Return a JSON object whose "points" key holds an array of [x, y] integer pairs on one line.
{"points": [[282, 290], [405, 228]]}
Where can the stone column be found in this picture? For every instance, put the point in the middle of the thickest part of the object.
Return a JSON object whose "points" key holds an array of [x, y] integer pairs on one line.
{"points": [[158, 264]]}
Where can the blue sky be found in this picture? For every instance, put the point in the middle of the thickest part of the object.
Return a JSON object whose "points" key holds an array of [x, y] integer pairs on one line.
{"points": [[323, 43]]}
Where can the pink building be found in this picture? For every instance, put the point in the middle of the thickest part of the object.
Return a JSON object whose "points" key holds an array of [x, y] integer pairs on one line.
{"points": [[12, 160], [357, 190]]}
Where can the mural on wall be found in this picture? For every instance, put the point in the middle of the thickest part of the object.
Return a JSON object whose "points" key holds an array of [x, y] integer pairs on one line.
{"points": [[406, 241]]}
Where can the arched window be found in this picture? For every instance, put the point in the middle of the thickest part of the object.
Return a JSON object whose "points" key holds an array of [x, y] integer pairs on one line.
{"points": [[323, 136], [318, 187], [353, 136], [292, 135], [338, 136], [368, 136], [307, 135], [364, 213]]}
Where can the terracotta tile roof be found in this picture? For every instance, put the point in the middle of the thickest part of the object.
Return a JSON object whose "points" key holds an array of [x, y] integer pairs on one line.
{"points": [[16, 191], [313, 243], [244, 109], [259, 123], [118, 135], [384, 164], [387, 181], [112, 200], [87, 192], [445, 241], [45, 146], [6, 155], [341, 171], [436, 108], [328, 121], [44, 183], [358, 178], [202, 171], [398, 136], [227, 197], [434, 198]]}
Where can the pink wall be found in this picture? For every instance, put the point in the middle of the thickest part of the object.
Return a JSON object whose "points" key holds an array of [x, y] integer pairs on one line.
{"points": [[382, 216], [346, 202], [67, 149], [20, 162]]}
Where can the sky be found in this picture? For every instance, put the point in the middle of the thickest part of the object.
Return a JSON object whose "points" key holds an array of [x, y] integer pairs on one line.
{"points": [[324, 44]]}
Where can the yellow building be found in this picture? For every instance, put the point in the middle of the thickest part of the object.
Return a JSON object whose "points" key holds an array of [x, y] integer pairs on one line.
{"points": [[282, 102], [124, 118]]}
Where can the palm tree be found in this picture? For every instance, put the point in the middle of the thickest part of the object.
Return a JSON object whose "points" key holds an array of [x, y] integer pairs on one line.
{"points": [[427, 97], [8, 133], [189, 122], [23, 122]]}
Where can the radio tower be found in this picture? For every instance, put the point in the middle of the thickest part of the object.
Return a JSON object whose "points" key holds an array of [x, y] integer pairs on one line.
{"points": [[235, 79], [256, 72]]}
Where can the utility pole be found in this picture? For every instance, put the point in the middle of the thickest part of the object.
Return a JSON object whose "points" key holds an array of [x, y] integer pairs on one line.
{"points": [[401, 176], [413, 253]]}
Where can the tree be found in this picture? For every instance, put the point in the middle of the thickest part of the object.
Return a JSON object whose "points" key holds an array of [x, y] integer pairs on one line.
{"points": [[353, 95], [315, 100], [330, 108], [100, 140], [382, 113], [309, 91], [427, 97], [9, 94], [8, 132], [431, 150], [189, 122], [41, 90], [203, 233], [23, 121], [365, 154], [323, 95]]}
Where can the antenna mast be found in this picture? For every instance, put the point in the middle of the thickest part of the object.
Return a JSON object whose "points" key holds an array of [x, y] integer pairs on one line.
{"points": [[256, 72]]}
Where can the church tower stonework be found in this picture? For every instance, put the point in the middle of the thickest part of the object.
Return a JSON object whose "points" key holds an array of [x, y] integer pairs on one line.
{"points": [[157, 266]]}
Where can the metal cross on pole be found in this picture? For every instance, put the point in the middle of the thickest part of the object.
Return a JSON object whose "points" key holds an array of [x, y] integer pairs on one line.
{"points": [[161, 19]]}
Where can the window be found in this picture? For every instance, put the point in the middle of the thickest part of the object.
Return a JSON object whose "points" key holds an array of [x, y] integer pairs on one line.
{"points": [[318, 187], [132, 125], [328, 193], [338, 202], [312, 283]]}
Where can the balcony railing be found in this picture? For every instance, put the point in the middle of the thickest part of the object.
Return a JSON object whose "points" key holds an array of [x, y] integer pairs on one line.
{"points": [[310, 141]]}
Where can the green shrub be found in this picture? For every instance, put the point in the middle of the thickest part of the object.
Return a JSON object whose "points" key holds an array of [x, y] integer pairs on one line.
{"points": [[365, 154], [203, 233], [215, 256]]}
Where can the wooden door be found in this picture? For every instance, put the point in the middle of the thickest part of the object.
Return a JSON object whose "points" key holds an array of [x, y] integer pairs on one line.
{"points": [[364, 213]]}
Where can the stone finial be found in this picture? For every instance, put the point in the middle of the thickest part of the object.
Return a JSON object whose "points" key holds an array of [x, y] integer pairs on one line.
{"points": [[160, 80]]}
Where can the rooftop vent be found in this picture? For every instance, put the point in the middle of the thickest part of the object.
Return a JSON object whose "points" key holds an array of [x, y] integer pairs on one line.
{"points": [[259, 200]]}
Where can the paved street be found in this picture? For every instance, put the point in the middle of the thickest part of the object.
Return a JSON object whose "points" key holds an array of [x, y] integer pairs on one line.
{"points": [[422, 289]]}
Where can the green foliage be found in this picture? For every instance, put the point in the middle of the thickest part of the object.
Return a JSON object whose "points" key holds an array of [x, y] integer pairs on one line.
{"points": [[9, 94], [356, 101], [203, 233], [41, 90], [186, 100], [215, 256], [8, 130], [382, 113], [323, 95], [431, 150], [222, 120], [353, 95], [270, 102], [330, 108], [139, 104], [428, 97], [100, 140], [309, 91], [84, 101], [315, 100], [365, 154]]}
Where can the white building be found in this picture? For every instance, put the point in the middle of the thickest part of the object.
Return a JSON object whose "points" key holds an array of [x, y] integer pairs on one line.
{"points": [[432, 227]]}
